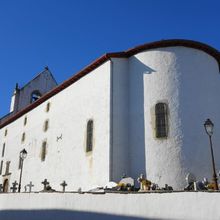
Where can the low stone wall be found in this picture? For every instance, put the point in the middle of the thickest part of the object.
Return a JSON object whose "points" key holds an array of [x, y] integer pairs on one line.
{"points": [[175, 205]]}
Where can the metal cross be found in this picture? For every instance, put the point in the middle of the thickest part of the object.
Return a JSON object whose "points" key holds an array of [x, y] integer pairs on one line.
{"points": [[14, 186], [30, 185], [59, 138], [45, 183], [63, 184], [1, 188]]}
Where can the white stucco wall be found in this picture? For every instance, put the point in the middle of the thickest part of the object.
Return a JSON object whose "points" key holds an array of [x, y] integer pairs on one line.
{"points": [[188, 81], [66, 159], [120, 96], [120, 122], [183, 205]]}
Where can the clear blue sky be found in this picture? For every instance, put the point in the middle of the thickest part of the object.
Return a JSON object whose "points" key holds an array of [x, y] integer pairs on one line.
{"points": [[67, 35]]}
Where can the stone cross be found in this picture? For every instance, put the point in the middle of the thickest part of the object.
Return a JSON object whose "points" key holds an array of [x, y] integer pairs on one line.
{"points": [[30, 185], [1, 188], [63, 184], [14, 186], [45, 183]]}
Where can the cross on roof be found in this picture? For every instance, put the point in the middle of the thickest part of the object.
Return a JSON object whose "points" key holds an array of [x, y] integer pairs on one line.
{"points": [[63, 184], [45, 183], [1, 188], [14, 186], [30, 185]]}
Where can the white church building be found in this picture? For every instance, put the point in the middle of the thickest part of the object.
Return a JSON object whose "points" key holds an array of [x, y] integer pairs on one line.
{"points": [[132, 112]]}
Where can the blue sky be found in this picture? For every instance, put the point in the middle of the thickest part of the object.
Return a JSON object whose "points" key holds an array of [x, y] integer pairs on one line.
{"points": [[67, 35]]}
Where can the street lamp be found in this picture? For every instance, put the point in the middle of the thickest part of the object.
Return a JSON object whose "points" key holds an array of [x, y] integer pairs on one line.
{"points": [[209, 130], [23, 155]]}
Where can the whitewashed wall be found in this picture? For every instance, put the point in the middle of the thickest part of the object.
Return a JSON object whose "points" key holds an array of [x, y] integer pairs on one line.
{"points": [[120, 122], [66, 159], [184, 205], [188, 81]]}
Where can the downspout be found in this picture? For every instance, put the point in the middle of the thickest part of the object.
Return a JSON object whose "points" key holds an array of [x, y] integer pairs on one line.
{"points": [[111, 123]]}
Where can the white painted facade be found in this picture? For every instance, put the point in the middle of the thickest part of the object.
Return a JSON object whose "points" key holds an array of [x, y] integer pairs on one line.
{"points": [[120, 97]]}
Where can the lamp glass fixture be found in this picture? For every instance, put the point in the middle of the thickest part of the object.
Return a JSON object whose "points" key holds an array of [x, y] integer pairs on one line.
{"points": [[23, 154], [209, 126]]}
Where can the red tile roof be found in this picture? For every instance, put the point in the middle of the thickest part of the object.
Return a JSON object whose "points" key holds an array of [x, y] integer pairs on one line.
{"points": [[125, 54]]}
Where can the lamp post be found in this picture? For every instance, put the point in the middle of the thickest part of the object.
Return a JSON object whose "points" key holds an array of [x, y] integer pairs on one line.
{"points": [[209, 130], [23, 155]]}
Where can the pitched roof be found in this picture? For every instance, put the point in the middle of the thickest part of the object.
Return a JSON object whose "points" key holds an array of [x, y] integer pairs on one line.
{"points": [[125, 54]]}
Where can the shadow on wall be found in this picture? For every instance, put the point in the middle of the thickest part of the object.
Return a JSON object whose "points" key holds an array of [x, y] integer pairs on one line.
{"points": [[61, 214], [137, 118]]}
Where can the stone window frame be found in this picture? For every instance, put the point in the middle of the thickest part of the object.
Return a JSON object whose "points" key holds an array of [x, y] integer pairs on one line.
{"points": [[89, 135], [161, 120]]}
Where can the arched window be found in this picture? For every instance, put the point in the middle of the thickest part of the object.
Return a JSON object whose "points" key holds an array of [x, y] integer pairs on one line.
{"points": [[161, 120], [48, 107], [25, 120], [89, 138], [46, 125], [23, 137], [35, 95], [43, 151], [3, 150]]}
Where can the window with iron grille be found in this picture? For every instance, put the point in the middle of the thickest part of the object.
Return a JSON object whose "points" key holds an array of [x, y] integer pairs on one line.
{"points": [[89, 139], [161, 120]]}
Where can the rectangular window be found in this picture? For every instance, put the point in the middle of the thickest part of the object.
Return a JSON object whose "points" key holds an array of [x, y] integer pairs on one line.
{"points": [[161, 120], [3, 150], [89, 138], [1, 167], [7, 167], [43, 151]]}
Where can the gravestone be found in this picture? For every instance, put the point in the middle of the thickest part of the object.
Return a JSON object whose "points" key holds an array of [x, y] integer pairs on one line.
{"points": [[63, 184], [14, 186], [126, 184], [144, 183], [190, 179], [45, 183], [30, 185], [110, 185], [1, 188]]}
